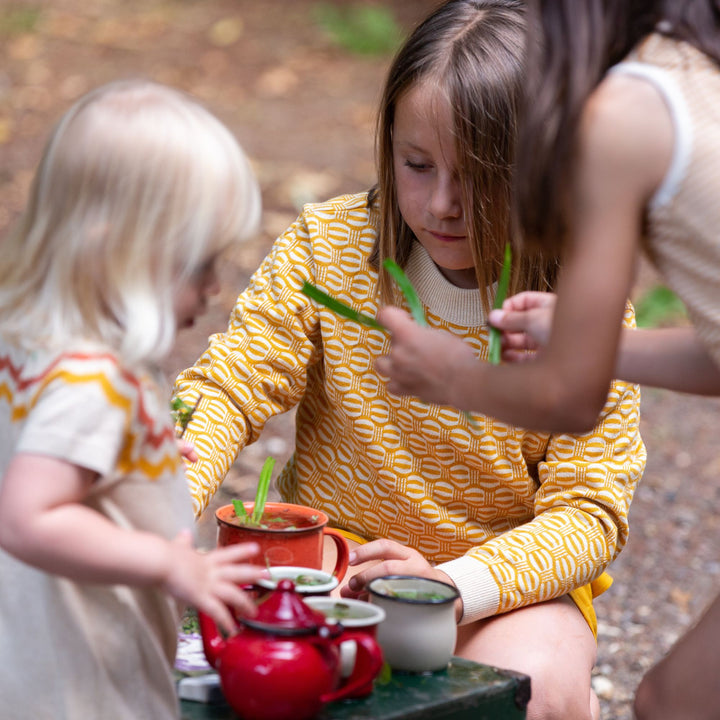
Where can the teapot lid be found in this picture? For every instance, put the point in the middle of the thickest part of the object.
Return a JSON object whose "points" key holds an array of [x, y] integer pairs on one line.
{"points": [[283, 612]]}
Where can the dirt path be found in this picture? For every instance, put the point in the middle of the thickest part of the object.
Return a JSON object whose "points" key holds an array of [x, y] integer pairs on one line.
{"points": [[304, 110]]}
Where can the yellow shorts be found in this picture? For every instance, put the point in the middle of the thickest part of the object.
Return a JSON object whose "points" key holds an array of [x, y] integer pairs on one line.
{"points": [[582, 596]]}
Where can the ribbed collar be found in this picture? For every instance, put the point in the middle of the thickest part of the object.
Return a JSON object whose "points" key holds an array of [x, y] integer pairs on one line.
{"points": [[460, 306]]}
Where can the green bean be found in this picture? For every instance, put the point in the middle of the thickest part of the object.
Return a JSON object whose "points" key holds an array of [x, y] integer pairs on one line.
{"points": [[503, 283], [339, 307], [413, 301]]}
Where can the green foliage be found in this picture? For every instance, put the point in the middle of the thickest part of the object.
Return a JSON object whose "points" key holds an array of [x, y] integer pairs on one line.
{"points": [[182, 413], [260, 497], [240, 510], [189, 624], [18, 20], [262, 490], [361, 28], [659, 306]]}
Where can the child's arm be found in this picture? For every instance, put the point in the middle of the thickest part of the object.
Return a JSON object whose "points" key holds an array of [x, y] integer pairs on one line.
{"points": [[257, 368], [670, 358], [44, 523]]}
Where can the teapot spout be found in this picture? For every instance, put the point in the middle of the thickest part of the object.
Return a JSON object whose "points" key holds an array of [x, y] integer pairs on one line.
{"points": [[213, 641]]}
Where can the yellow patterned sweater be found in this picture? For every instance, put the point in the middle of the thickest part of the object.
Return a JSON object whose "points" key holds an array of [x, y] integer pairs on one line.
{"points": [[515, 517], [91, 650]]}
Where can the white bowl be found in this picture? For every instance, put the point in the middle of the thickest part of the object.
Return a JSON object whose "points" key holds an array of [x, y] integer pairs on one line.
{"points": [[308, 581]]}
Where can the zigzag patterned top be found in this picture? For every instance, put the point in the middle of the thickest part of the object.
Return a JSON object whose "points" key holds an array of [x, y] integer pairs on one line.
{"points": [[684, 214], [514, 517], [85, 645]]}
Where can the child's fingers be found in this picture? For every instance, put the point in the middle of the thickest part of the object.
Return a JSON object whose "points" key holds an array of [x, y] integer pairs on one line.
{"points": [[529, 300], [187, 450], [508, 321], [184, 539], [235, 553], [242, 573], [395, 320], [517, 356], [234, 596], [220, 612], [231, 566]]}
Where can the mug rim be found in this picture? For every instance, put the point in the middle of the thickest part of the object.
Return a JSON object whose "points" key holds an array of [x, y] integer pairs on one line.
{"points": [[322, 521], [378, 617], [454, 593], [269, 584]]}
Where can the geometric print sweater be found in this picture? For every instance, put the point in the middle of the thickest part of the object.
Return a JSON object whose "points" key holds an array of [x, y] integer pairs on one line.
{"points": [[82, 646], [513, 517]]}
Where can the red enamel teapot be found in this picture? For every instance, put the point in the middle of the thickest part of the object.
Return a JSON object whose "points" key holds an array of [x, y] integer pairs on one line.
{"points": [[284, 663]]}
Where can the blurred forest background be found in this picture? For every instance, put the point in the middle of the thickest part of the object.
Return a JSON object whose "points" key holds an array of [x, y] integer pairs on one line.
{"points": [[298, 82]]}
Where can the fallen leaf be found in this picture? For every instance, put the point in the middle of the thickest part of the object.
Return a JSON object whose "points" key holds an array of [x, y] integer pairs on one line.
{"points": [[681, 598], [226, 32], [276, 82], [25, 47]]}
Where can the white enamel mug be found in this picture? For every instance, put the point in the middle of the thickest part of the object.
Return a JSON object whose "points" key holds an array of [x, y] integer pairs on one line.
{"points": [[419, 631]]}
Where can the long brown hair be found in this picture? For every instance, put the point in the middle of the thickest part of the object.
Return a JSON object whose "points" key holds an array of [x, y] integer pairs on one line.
{"points": [[574, 43], [473, 52]]}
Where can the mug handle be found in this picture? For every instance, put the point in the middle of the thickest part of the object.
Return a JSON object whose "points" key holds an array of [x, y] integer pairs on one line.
{"points": [[343, 553], [365, 644]]}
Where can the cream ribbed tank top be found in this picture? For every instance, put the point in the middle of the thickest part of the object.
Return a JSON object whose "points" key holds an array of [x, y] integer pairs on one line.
{"points": [[684, 213]]}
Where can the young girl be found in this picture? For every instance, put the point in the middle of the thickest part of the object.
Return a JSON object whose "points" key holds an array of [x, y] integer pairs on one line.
{"points": [[620, 150], [138, 190], [522, 523]]}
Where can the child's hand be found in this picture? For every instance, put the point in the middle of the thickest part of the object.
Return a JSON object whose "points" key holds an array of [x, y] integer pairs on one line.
{"points": [[187, 450], [525, 320], [390, 558], [423, 362], [210, 581]]}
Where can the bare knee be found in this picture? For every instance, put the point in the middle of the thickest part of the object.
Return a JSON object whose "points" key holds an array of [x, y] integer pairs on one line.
{"points": [[551, 643], [555, 698]]}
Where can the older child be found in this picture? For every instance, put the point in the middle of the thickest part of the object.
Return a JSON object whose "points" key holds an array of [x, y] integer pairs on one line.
{"points": [[522, 523], [138, 190], [620, 151]]}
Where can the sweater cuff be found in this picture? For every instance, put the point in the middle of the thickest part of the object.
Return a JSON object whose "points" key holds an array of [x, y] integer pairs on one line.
{"points": [[478, 590]]}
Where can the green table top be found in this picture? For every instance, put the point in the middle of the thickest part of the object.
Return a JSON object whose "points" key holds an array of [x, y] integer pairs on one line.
{"points": [[465, 691]]}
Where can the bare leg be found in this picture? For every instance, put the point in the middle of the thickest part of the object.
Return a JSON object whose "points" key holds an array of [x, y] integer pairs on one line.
{"points": [[685, 683], [552, 643]]}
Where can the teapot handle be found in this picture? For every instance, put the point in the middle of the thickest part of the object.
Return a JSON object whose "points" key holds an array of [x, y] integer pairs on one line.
{"points": [[213, 641], [365, 644]]}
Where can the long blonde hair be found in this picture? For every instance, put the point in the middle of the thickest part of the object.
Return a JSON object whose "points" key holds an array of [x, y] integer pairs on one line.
{"points": [[138, 185]]}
